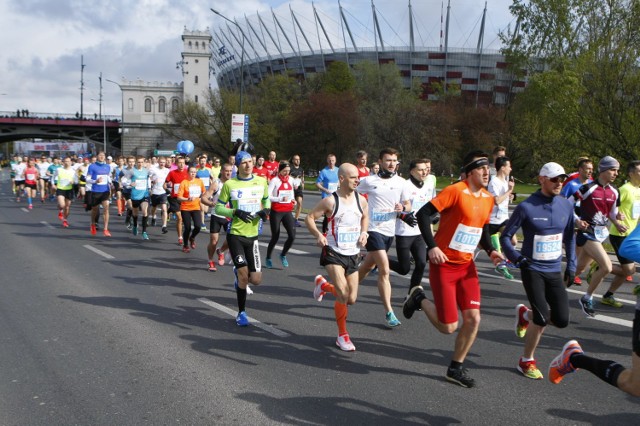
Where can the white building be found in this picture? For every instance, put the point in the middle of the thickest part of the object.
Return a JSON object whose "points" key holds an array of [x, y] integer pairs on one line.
{"points": [[146, 105]]}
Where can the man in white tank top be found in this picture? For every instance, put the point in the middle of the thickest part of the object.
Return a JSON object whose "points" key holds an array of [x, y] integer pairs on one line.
{"points": [[347, 213]]}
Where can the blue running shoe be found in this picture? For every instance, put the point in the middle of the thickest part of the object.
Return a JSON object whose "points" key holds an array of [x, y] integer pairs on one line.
{"points": [[242, 319], [145, 236], [268, 264], [284, 261], [134, 230], [392, 321]]}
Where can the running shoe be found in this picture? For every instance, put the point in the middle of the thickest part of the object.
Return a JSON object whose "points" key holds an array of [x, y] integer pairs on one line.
{"points": [[593, 268], [412, 301], [611, 301], [65, 224], [93, 230], [318, 293], [297, 224], [164, 230], [629, 278], [242, 320], [561, 365], [220, 257], [460, 377], [30, 206], [185, 249], [212, 266], [504, 271], [391, 320], [145, 236], [577, 280], [203, 228], [180, 241], [249, 291], [106, 233], [192, 243], [344, 343], [153, 221], [60, 215], [521, 323], [285, 262], [587, 306], [529, 369], [268, 264], [134, 230]]}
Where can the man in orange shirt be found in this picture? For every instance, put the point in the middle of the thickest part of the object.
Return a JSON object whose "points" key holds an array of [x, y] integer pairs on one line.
{"points": [[465, 208]]}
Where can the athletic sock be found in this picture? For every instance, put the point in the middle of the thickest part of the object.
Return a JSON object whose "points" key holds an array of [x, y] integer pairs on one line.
{"points": [[328, 288], [607, 294], [495, 241], [135, 220], [242, 298], [129, 214], [340, 310], [29, 200], [604, 369], [144, 223], [455, 365]]}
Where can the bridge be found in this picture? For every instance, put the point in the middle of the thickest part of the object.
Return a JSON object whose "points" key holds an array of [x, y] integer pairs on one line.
{"points": [[54, 126]]}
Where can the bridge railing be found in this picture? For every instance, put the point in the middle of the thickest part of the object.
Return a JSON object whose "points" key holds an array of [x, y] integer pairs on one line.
{"points": [[57, 116]]}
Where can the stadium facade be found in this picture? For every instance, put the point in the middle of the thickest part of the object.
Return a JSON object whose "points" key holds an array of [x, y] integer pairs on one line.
{"points": [[245, 52]]}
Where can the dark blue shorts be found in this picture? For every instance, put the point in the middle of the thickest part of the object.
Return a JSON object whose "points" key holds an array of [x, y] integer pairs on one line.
{"points": [[377, 241]]}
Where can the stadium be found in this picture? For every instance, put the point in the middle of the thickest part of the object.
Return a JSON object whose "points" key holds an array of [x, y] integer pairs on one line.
{"points": [[245, 51]]}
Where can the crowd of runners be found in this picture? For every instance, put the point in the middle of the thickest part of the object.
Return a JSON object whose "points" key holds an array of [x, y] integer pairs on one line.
{"points": [[368, 206]]}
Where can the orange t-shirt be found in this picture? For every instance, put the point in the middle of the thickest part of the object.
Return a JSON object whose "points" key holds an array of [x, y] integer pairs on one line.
{"points": [[191, 188], [462, 217]]}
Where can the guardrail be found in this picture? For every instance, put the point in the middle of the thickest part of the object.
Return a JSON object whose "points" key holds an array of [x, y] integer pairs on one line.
{"points": [[58, 116]]}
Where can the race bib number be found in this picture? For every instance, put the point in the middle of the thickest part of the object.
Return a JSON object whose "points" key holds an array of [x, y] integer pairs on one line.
{"points": [[195, 191], [332, 186], [465, 239], [141, 185], [600, 232], [347, 236], [248, 199], [176, 188], [379, 217], [547, 247], [286, 195], [102, 179], [64, 182], [635, 210], [31, 176]]}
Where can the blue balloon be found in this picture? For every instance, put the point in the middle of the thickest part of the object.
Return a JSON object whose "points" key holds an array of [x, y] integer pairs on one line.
{"points": [[187, 147], [179, 146]]}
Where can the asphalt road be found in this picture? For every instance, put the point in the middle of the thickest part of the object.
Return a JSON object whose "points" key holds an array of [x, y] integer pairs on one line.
{"points": [[97, 331]]}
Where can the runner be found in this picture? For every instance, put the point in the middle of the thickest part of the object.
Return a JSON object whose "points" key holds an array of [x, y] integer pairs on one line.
{"points": [[100, 180], [384, 191], [271, 165], [260, 169], [465, 208], [547, 222], [172, 184], [501, 187], [282, 203], [140, 196], [158, 177], [31, 177], [18, 170], [204, 174], [218, 223], [63, 179], [418, 190], [189, 193], [348, 214], [43, 181], [297, 175], [249, 198], [599, 201], [327, 182]]}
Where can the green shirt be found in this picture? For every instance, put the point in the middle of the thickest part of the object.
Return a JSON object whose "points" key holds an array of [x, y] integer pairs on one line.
{"points": [[250, 195], [630, 207]]}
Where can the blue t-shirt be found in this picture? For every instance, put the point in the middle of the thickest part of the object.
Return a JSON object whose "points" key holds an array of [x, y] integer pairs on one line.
{"points": [[328, 178], [205, 176], [139, 184], [572, 186], [99, 176]]}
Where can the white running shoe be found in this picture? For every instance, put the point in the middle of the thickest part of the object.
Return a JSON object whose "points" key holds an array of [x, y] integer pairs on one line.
{"points": [[249, 291], [344, 343]]}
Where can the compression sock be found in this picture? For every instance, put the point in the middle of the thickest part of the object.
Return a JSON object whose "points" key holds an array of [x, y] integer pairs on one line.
{"points": [[495, 241], [242, 298], [340, 310], [135, 221], [144, 223], [604, 369], [328, 288]]}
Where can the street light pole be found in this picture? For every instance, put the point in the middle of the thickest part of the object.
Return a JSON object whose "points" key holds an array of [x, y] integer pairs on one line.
{"points": [[241, 54], [104, 122], [121, 112]]}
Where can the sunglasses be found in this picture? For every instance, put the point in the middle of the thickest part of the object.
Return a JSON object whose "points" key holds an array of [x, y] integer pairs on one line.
{"points": [[557, 179]]}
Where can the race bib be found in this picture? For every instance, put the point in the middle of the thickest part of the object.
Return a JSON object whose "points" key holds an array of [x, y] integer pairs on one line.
{"points": [[64, 182], [286, 195], [635, 210], [347, 236], [102, 179], [465, 239], [379, 217], [31, 176], [332, 186], [601, 232], [141, 185], [547, 247], [176, 188], [195, 191]]}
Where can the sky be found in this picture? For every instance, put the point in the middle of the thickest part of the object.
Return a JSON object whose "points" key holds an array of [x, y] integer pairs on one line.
{"points": [[43, 41]]}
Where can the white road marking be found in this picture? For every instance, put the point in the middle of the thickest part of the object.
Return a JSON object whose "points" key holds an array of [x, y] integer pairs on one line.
{"points": [[98, 251], [253, 321], [47, 224], [294, 251], [24, 209]]}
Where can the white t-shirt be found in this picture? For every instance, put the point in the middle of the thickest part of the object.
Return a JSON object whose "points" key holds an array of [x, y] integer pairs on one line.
{"points": [[418, 198], [500, 212], [383, 194], [158, 177], [19, 170]]}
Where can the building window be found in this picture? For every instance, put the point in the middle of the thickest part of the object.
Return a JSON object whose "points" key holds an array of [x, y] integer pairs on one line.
{"points": [[174, 105], [162, 106], [130, 104], [197, 60], [196, 98], [189, 44], [196, 79], [147, 105]]}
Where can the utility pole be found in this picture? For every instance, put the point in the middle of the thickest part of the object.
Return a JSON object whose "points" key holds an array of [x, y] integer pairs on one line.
{"points": [[81, 86], [104, 119]]}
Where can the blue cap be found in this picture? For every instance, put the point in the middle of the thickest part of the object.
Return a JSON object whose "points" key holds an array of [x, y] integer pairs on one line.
{"points": [[241, 156]]}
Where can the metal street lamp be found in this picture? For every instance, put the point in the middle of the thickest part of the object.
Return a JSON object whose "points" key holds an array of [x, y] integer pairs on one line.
{"points": [[121, 110], [241, 55]]}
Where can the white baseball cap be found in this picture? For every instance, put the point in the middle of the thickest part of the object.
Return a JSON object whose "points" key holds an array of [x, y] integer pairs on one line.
{"points": [[552, 170]]}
